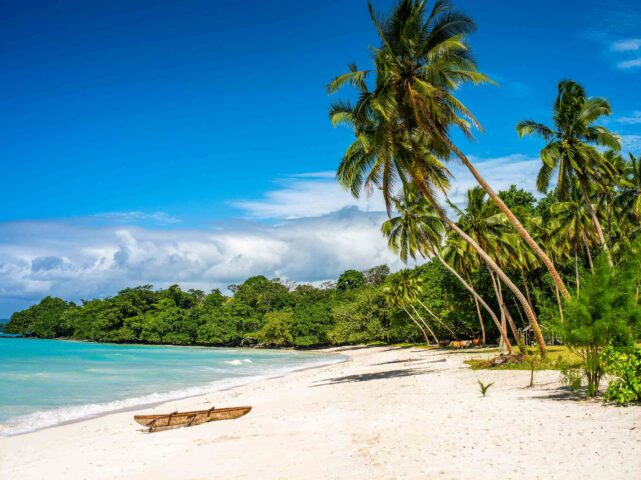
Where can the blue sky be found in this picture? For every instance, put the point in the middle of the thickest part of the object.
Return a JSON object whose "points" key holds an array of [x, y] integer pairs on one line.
{"points": [[207, 118]]}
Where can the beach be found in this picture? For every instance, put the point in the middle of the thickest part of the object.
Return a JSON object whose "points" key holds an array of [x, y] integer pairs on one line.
{"points": [[387, 413]]}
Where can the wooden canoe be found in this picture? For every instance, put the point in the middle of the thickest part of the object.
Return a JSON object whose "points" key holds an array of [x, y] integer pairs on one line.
{"points": [[188, 419]]}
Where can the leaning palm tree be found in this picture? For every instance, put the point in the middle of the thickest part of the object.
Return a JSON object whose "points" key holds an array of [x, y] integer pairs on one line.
{"points": [[571, 149], [423, 57], [419, 230], [482, 220], [403, 293]]}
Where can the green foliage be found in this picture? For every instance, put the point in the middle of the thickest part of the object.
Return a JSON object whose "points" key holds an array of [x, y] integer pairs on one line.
{"points": [[604, 312], [484, 387], [625, 365], [350, 280], [277, 330], [44, 319]]}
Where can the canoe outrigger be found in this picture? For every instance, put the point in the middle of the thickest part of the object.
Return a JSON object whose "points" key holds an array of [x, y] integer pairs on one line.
{"points": [[187, 419]]}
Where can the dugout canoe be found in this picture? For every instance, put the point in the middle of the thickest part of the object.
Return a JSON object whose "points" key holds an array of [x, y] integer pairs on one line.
{"points": [[188, 419]]}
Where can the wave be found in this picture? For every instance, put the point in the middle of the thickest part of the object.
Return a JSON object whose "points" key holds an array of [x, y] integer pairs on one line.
{"points": [[49, 418], [237, 361]]}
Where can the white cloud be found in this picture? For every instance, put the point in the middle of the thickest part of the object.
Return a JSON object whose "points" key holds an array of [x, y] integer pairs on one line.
{"points": [[628, 64], [499, 172], [633, 119], [73, 260], [309, 195], [627, 45]]}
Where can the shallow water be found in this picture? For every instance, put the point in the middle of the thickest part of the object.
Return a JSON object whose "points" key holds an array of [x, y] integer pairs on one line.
{"points": [[47, 382]]}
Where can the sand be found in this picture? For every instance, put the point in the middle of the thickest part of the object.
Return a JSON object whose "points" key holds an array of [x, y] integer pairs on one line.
{"points": [[385, 414]]}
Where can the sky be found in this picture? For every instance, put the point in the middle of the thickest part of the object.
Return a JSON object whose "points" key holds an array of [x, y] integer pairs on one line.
{"points": [[188, 141]]}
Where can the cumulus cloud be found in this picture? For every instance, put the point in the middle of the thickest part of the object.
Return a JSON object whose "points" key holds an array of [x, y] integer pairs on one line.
{"points": [[73, 260]]}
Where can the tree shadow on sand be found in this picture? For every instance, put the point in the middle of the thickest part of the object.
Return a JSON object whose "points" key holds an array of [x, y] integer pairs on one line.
{"points": [[411, 360], [366, 377]]}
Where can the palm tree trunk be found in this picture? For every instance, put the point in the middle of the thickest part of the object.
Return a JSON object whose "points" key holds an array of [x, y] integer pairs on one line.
{"points": [[424, 323], [427, 340], [529, 312], [470, 289], [510, 320], [433, 315], [512, 218], [479, 314], [527, 290], [499, 301], [597, 224], [588, 251]]}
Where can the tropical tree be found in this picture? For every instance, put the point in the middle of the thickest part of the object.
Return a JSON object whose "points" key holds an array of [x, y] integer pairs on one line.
{"points": [[418, 229], [423, 57], [401, 293], [483, 221], [627, 198], [572, 148], [571, 232]]}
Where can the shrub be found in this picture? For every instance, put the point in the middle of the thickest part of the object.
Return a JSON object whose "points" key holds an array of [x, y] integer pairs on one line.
{"points": [[626, 367], [276, 331], [604, 312]]}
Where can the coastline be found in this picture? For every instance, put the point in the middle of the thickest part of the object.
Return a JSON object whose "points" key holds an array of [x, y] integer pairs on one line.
{"points": [[386, 413], [75, 413]]}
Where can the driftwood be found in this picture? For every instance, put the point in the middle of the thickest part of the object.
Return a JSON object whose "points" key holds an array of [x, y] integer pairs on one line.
{"points": [[168, 421]]}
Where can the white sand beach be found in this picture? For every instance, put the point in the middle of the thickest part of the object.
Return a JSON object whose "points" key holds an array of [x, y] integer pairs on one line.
{"points": [[388, 413]]}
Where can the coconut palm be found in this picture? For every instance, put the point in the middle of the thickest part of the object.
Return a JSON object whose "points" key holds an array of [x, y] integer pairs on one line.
{"points": [[418, 229], [571, 230], [627, 198], [404, 292], [482, 220], [571, 149], [423, 57]]}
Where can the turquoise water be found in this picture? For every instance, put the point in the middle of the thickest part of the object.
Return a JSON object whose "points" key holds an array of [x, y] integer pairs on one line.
{"points": [[46, 382]]}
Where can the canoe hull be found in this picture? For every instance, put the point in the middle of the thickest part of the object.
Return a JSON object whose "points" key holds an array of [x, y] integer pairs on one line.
{"points": [[188, 419]]}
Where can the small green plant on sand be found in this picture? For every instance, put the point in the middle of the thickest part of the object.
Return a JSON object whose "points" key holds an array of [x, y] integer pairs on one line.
{"points": [[484, 387]]}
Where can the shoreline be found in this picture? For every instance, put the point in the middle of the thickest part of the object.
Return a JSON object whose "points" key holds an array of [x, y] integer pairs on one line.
{"points": [[159, 403], [387, 412]]}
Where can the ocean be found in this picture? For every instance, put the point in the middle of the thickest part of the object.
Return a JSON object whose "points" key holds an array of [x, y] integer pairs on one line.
{"points": [[48, 382]]}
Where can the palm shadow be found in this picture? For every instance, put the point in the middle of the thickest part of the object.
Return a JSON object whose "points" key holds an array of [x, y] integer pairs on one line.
{"points": [[367, 377]]}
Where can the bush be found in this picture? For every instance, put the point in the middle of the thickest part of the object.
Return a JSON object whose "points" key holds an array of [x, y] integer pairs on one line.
{"points": [[626, 367], [604, 312], [276, 331]]}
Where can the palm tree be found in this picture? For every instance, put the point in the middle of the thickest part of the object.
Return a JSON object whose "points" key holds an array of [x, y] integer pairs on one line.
{"points": [[486, 224], [571, 148], [418, 229], [403, 292], [422, 59], [627, 199], [570, 230]]}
